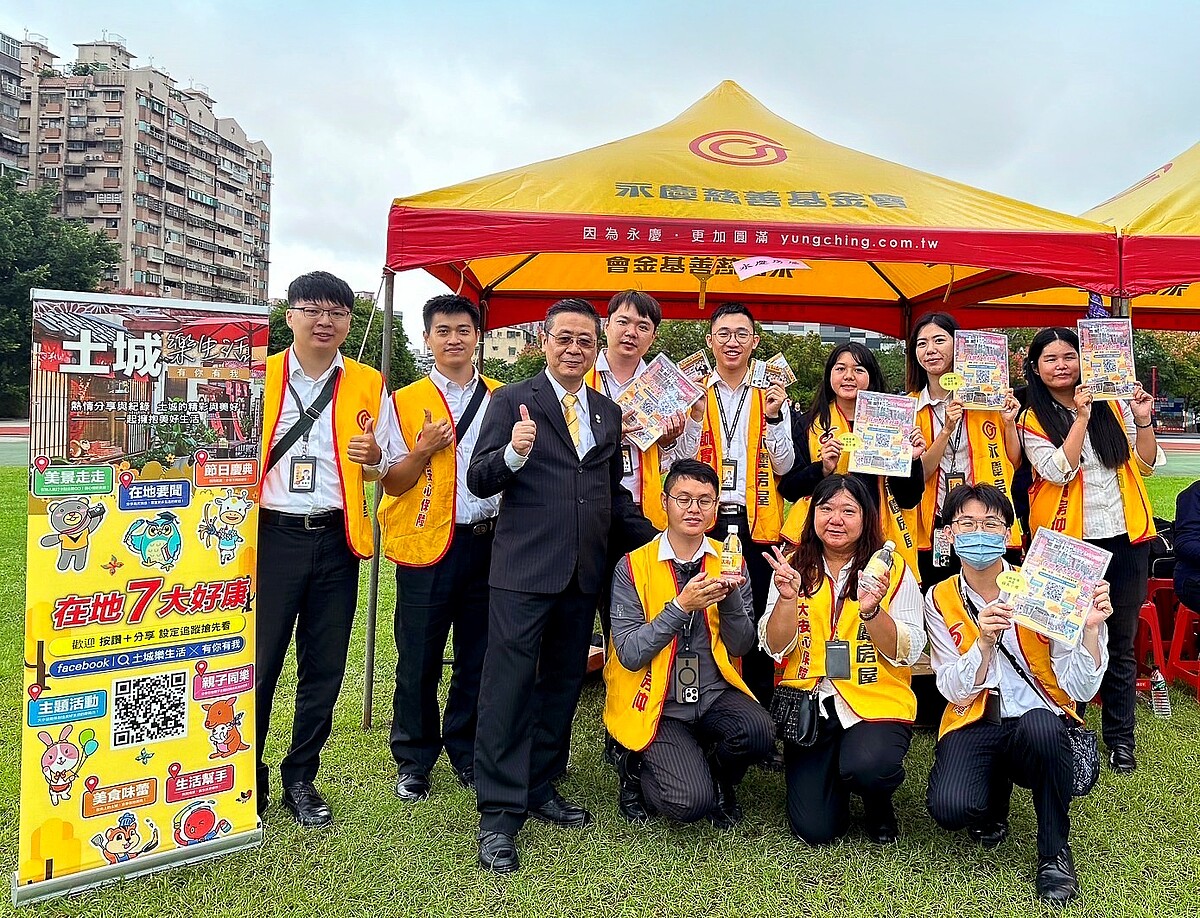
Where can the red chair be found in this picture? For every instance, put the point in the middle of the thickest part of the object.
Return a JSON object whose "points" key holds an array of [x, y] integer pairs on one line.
{"points": [[1148, 630], [1183, 665]]}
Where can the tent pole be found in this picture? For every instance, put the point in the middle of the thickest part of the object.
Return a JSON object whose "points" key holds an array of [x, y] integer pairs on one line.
{"points": [[483, 330], [389, 293]]}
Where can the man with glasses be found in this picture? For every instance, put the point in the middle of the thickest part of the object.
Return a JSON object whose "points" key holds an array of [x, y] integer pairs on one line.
{"points": [[321, 443], [674, 695], [1010, 694], [747, 441], [551, 448]]}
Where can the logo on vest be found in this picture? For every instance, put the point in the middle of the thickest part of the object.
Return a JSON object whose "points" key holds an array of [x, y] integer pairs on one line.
{"points": [[362, 418], [989, 429], [738, 148]]}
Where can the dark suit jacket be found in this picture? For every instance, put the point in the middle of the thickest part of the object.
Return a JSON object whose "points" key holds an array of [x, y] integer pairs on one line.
{"points": [[1187, 546], [556, 512]]}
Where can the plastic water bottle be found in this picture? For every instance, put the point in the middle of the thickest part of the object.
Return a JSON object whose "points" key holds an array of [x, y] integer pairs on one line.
{"points": [[731, 554], [1160, 699], [879, 567]]}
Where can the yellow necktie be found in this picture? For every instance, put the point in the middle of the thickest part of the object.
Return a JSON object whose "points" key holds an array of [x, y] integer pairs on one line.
{"points": [[569, 402]]}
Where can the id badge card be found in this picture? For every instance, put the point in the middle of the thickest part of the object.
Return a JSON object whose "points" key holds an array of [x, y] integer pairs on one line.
{"points": [[626, 459], [955, 480], [729, 476], [303, 479], [687, 678], [941, 546], [837, 659]]}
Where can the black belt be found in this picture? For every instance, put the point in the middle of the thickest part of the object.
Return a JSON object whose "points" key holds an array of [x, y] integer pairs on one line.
{"points": [[323, 519], [483, 527], [730, 509]]}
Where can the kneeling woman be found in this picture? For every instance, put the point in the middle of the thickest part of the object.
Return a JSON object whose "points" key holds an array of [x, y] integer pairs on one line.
{"points": [[850, 639], [1009, 692]]}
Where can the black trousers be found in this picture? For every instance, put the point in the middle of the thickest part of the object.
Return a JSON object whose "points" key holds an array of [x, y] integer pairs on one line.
{"points": [[429, 600], [975, 767], [677, 781], [532, 675], [867, 759], [1126, 576], [758, 669], [308, 583]]}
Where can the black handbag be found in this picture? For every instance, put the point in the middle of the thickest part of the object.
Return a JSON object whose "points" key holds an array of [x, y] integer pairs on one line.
{"points": [[796, 715]]}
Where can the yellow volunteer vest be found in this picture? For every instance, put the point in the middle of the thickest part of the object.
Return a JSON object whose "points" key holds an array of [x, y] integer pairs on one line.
{"points": [[876, 690], [764, 506], [356, 397], [988, 463], [1034, 648], [1060, 507], [650, 468], [417, 527], [633, 702], [899, 526]]}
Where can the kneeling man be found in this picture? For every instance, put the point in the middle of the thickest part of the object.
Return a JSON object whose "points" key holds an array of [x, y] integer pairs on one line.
{"points": [[675, 699], [1011, 695]]}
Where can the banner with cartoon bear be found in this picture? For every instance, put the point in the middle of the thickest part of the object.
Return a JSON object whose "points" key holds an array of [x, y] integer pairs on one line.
{"points": [[145, 427]]}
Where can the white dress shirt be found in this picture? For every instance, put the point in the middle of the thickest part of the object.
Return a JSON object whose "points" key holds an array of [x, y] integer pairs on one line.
{"points": [[957, 457], [327, 490], [467, 507], [905, 610], [956, 673], [685, 447], [587, 439], [1103, 512], [778, 436]]}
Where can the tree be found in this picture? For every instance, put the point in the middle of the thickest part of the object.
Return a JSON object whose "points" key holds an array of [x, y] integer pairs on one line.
{"points": [[529, 362], [404, 367], [498, 369], [38, 249]]}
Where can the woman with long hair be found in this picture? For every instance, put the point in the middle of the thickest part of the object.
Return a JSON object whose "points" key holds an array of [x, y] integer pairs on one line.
{"points": [[1088, 462], [851, 638], [850, 369], [965, 447]]}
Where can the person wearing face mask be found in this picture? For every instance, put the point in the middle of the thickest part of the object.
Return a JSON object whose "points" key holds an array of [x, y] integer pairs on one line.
{"points": [[965, 447], [1088, 463], [851, 369], [1009, 693]]}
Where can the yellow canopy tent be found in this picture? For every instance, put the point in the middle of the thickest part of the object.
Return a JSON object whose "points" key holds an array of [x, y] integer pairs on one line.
{"points": [[1159, 221], [728, 179]]}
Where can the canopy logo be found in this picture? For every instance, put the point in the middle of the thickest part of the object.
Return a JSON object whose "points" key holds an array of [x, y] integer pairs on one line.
{"points": [[738, 148]]}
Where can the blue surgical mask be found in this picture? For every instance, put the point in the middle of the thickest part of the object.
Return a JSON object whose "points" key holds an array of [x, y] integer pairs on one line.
{"points": [[980, 550]]}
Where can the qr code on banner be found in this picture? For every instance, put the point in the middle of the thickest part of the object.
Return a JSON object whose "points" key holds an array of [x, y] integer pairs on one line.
{"points": [[148, 709]]}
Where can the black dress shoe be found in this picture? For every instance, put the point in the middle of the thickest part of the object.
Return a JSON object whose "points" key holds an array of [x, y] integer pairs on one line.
{"points": [[307, 805], [1056, 880], [559, 812], [498, 852], [879, 821], [630, 802], [989, 834], [466, 776], [612, 751], [726, 812], [412, 787], [1121, 760], [263, 802]]}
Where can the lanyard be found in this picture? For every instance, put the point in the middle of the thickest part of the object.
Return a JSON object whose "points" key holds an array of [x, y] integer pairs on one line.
{"points": [[685, 571], [728, 428], [957, 442], [312, 411]]}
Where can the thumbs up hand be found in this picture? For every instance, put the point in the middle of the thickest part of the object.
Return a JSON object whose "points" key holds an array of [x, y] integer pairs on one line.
{"points": [[363, 449], [524, 432], [435, 436]]}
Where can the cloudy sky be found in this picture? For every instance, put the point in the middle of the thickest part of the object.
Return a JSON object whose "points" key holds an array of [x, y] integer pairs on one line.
{"points": [[1060, 104]]}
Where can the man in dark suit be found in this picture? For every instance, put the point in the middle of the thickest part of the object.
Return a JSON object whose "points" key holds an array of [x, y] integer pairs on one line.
{"points": [[551, 447]]}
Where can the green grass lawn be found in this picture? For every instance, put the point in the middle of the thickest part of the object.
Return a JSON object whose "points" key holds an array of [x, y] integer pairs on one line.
{"points": [[1134, 838]]}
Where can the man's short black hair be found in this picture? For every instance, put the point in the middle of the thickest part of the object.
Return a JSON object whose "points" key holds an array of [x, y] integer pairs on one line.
{"points": [[320, 287], [449, 304], [730, 309], [694, 470], [992, 498], [641, 302], [575, 305]]}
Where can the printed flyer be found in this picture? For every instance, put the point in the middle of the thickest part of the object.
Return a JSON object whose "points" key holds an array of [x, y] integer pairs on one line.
{"points": [[1106, 358], [138, 713], [660, 391], [1061, 574], [883, 423], [766, 373], [981, 359], [696, 367]]}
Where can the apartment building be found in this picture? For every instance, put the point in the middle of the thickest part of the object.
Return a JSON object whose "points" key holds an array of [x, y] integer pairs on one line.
{"points": [[509, 343], [185, 193], [12, 147]]}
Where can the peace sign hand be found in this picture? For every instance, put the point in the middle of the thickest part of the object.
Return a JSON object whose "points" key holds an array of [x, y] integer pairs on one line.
{"points": [[787, 581]]}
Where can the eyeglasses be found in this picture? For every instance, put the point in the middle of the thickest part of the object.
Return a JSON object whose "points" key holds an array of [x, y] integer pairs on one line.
{"points": [[684, 501], [337, 313], [741, 336], [585, 342], [991, 524]]}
